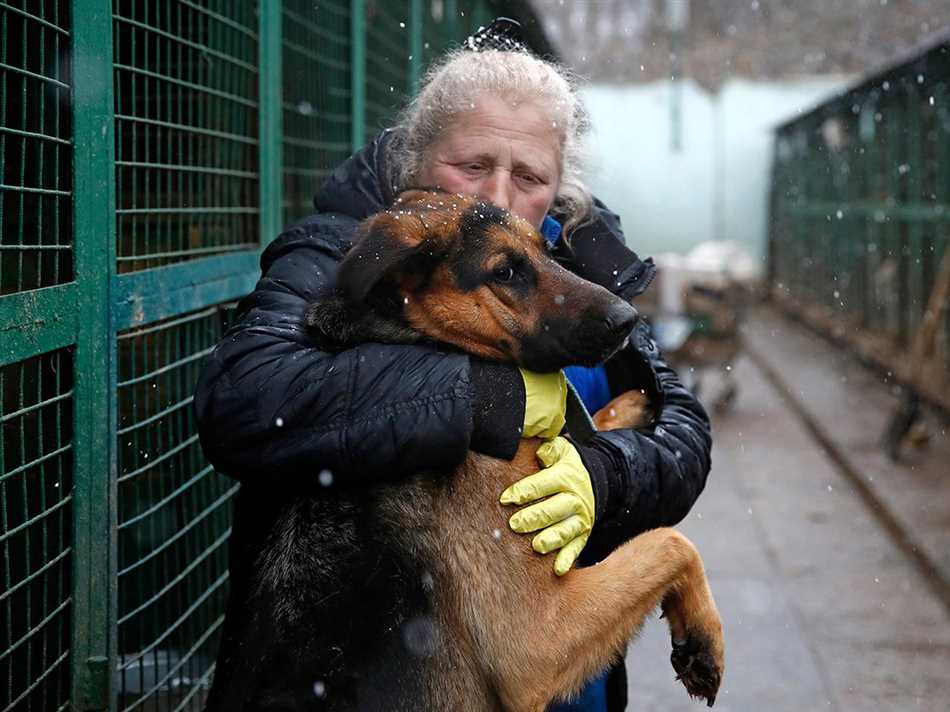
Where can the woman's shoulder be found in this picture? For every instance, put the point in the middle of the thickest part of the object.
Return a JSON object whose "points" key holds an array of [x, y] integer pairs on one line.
{"points": [[327, 232]]}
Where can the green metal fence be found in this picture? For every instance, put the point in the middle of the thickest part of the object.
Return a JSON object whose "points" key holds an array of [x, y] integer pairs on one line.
{"points": [[148, 149], [861, 215]]}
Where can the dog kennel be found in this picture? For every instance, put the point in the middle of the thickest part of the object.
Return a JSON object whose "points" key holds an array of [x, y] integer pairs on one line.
{"points": [[860, 220], [148, 149]]}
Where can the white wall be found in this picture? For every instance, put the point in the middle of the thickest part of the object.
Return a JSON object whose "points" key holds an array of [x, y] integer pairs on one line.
{"points": [[716, 186]]}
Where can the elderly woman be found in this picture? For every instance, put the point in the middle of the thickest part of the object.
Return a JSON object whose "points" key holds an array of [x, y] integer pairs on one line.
{"points": [[278, 414]]}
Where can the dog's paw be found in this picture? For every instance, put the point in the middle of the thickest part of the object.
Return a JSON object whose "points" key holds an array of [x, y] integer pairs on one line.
{"points": [[697, 666], [631, 409]]}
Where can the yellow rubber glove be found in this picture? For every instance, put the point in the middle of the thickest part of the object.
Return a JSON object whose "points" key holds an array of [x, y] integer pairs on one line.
{"points": [[567, 515], [545, 403]]}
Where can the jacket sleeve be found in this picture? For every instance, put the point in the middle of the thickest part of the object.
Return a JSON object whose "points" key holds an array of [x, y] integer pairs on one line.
{"points": [[269, 404]]}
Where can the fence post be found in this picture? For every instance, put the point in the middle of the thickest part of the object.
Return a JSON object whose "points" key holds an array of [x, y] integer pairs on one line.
{"points": [[415, 44], [451, 18], [357, 73], [271, 115], [94, 490]]}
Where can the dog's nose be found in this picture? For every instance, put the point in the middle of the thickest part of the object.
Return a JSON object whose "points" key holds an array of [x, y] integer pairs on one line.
{"points": [[621, 318]]}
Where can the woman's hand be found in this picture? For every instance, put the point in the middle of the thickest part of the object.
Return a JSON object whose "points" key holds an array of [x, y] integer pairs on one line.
{"points": [[545, 404], [565, 514]]}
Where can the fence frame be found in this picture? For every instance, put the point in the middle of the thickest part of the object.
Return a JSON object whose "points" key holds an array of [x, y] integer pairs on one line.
{"points": [[94, 595]]}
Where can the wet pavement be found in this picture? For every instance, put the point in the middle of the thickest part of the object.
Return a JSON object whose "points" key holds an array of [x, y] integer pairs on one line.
{"points": [[823, 608]]}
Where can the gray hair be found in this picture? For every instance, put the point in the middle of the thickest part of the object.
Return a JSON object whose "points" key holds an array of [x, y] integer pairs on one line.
{"points": [[452, 86]]}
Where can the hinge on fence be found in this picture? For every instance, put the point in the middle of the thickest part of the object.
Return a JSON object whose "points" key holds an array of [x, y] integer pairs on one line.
{"points": [[98, 684]]}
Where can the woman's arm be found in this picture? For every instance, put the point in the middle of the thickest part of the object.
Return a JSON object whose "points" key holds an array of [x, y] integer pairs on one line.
{"points": [[269, 404], [651, 477]]}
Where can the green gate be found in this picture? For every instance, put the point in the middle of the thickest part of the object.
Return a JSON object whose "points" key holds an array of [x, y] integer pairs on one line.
{"points": [[860, 221], [148, 149]]}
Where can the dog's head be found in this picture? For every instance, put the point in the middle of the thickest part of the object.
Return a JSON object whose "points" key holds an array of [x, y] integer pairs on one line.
{"points": [[461, 271]]}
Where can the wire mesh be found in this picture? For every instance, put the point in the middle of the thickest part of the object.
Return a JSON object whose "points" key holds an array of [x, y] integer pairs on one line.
{"points": [[35, 152], [173, 518], [387, 62], [859, 208], [36, 532], [186, 86], [317, 95], [861, 204]]}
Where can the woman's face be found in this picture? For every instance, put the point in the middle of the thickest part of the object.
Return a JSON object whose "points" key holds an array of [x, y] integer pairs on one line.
{"points": [[507, 155]]}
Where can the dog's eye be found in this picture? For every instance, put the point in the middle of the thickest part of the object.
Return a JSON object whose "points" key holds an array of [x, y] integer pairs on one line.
{"points": [[504, 274]]}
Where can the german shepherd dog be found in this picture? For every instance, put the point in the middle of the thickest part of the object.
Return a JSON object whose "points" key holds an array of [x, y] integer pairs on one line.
{"points": [[416, 596]]}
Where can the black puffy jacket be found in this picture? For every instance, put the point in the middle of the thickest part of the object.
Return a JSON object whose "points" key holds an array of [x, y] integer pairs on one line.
{"points": [[272, 409]]}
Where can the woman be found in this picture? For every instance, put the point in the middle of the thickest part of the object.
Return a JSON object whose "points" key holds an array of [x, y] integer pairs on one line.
{"points": [[277, 413]]}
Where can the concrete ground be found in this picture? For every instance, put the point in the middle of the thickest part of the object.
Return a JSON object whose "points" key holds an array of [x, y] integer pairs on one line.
{"points": [[822, 609]]}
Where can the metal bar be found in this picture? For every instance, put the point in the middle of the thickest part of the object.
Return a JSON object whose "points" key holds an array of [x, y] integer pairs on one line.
{"points": [[37, 321], [271, 118], [41, 191], [207, 170], [358, 73], [142, 297], [871, 209], [33, 75], [36, 135], [415, 44], [451, 20], [205, 210], [189, 252], [25, 467], [196, 130], [913, 256], [165, 324], [94, 583], [50, 564]]}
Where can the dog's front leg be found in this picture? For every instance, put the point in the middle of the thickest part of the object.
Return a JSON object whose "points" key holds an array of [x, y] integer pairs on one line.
{"points": [[597, 610]]}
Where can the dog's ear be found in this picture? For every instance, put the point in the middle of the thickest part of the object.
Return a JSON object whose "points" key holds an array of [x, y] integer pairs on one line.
{"points": [[384, 244]]}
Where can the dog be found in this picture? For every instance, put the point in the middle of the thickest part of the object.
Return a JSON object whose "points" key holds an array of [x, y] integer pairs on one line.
{"points": [[416, 595]]}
